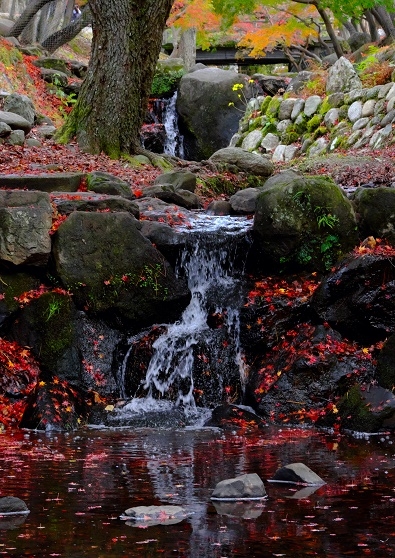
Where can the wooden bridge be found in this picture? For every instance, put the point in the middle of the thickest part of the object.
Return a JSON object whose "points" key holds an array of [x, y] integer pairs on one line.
{"points": [[230, 56]]}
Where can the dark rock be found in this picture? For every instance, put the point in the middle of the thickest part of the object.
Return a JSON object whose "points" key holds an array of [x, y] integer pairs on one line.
{"points": [[45, 182], [169, 194], [271, 85], [367, 408], [155, 209], [297, 473], [22, 105], [376, 212], [243, 509], [358, 297], [234, 417], [113, 270], [244, 487], [52, 63], [55, 77], [385, 372], [206, 120], [153, 137]]}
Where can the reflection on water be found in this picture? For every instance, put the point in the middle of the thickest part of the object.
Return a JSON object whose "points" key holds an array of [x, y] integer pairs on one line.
{"points": [[77, 486]]}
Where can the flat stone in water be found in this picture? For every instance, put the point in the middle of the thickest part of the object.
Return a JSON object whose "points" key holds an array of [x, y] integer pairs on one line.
{"points": [[154, 515], [297, 473], [10, 505], [244, 487]]}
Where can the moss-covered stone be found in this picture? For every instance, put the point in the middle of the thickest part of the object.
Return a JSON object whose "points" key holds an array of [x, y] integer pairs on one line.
{"points": [[314, 123], [265, 104], [343, 112], [320, 131], [306, 222], [365, 411], [274, 105]]}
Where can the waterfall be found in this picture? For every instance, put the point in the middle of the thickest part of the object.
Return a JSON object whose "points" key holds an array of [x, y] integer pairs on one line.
{"points": [[174, 141], [197, 361]]}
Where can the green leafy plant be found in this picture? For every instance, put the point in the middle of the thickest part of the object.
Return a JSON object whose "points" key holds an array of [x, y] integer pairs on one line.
{"points": [[165, 82]]}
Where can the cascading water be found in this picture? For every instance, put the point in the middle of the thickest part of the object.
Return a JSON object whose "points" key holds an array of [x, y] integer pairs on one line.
{"points": [[174, 141], [196, 362]]}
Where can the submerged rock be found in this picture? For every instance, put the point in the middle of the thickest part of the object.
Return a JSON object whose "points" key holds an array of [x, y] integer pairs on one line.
{"points": [[297, 473], [244, 487], [154, 515]]}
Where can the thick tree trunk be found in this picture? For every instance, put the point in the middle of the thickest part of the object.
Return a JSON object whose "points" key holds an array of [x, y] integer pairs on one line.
{"points": [[384, 18], [373, 31], [63, 36], [26, 16], [127, 38]]}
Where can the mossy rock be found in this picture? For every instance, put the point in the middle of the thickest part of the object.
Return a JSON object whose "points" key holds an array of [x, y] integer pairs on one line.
{"points": [[314, 123], [289, 137], [274, 105], [376, 210], [12, 286], [304, 223], [386, 364], [343, 112], [300, 124], [265, 104]]}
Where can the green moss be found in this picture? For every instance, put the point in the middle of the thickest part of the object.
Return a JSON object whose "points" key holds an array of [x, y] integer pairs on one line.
{"points": [[325, 106], [355, 413], [289, 137], [217, 185], [314, 123], [300, 125], [320, 131], [265, 104], [254, 124], [165, 82], [274, 105]]}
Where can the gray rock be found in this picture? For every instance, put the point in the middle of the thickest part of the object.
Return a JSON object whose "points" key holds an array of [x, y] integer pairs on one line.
{"points": [[380, 107], [360, 123], [244, 201], [379, 138], [297, 473], [219, 207], [291, 151], [283, 125], [33, 142], [355, 111], [388, 118], [5, 27], [10, 505], [336, 100], [25, 222], [52, 63], [5, 130], [15, 121], [353, 95], [342, 77], [159, 234], [297, 83], [391, 92], [106, 183], [312, 104], [297, 108], [155, 209], [270, 142], [368, 108], [391, 104], [46, 131], [57, 78], [17, 137], [183, 180], [22, 105], [331, 118], [279, 153], [244, 487], [318, 147], [252, 140], [251, 163], [286, 108]]}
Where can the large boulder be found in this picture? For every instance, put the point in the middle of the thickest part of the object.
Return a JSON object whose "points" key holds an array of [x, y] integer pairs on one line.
{"points": [[342, 77], [376, 212], [106, 183], [244, 487], [25, 222], [358, 296], [15, 121], [240, 160], [208, 119], [113, 270], [304, 222]]}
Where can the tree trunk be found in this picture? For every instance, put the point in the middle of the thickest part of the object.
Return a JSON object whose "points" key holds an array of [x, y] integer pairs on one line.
{"points": [[127, 38], [330, 30], [384, 18], [63, 36], [26, 16], [373, 31]]}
